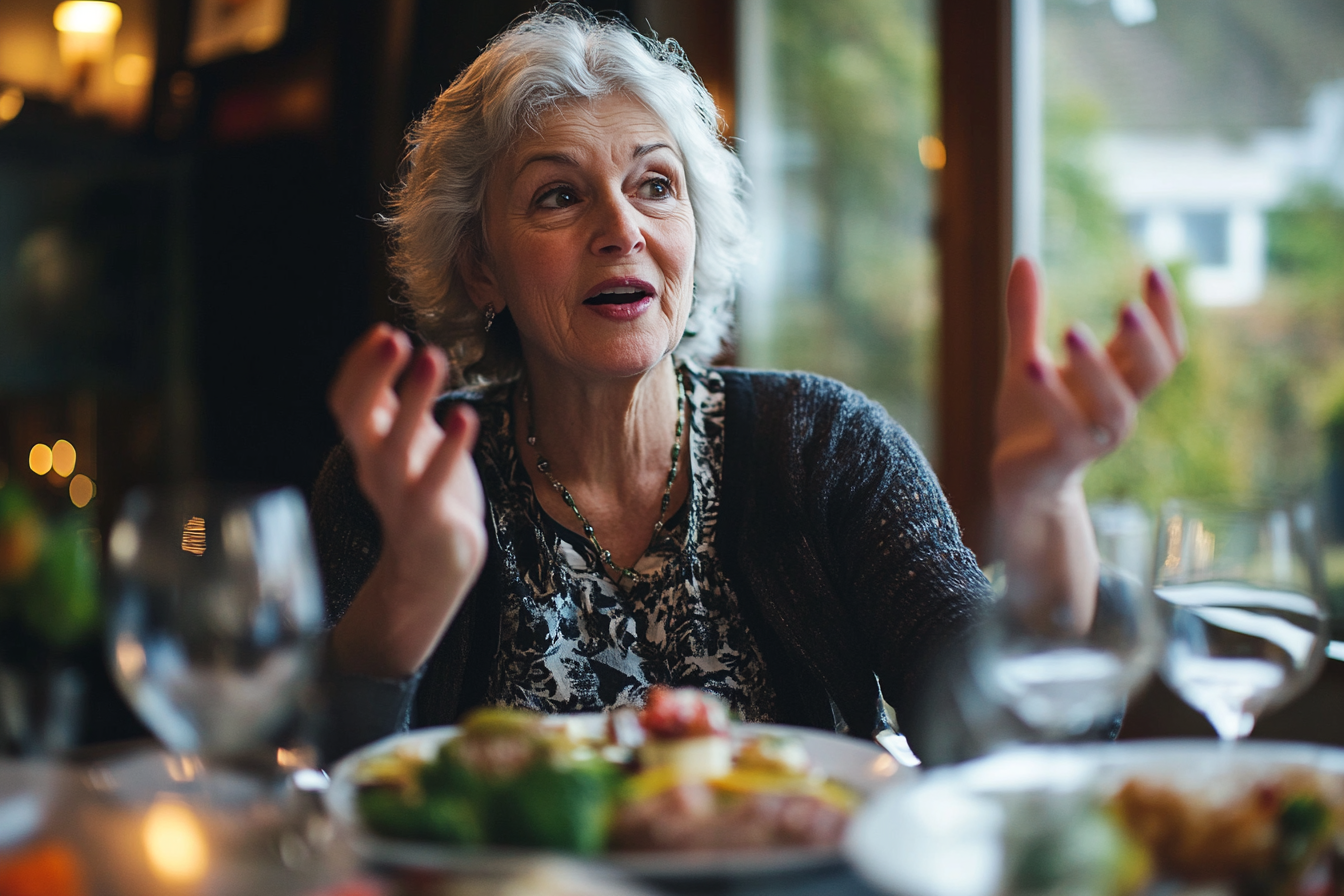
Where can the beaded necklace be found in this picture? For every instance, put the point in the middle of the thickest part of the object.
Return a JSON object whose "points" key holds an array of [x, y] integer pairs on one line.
{"points": [[545, 467]]}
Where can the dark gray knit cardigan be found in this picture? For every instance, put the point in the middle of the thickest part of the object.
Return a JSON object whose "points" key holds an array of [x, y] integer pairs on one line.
{"points": [[845, 557]]}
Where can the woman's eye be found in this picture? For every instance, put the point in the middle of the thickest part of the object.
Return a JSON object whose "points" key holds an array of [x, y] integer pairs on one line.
{"points": [[657, 188], [558, 197]]}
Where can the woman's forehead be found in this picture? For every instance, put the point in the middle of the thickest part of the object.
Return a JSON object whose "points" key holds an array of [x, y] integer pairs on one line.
{"points": [[617, 126]]}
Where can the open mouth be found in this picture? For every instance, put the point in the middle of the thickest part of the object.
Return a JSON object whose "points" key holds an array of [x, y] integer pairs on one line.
{"points": [[620, 295]]}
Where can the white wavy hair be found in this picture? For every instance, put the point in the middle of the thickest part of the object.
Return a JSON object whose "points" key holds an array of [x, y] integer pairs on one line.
{"points": [[560, 54]]}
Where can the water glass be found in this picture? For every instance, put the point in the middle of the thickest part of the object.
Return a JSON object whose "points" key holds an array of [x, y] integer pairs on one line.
{"points": [[214, 633], [1062, 679], [1242, 596]]}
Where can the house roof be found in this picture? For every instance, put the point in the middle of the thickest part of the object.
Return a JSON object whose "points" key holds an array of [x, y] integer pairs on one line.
{"points": [[1230, 67]]}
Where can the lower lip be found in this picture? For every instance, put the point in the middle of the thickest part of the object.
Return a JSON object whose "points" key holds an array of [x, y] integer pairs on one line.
{"points": [[626, 311]]}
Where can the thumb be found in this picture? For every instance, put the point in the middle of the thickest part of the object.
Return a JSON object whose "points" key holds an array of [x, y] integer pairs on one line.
{"points": [[1026, 310]]}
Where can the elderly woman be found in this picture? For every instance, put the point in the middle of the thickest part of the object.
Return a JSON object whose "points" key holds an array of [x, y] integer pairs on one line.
{"points": [[595, 510]]}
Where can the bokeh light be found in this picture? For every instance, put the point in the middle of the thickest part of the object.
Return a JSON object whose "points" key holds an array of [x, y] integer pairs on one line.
{"points": [[932, 153], [39, 459], [87, 17], [82, 490], [193, 536], [11, 104], [133, 70], [175, 842], [63, 458]]}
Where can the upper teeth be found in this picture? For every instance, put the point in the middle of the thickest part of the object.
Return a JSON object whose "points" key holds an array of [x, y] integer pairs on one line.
{"points": [[623, 290]]}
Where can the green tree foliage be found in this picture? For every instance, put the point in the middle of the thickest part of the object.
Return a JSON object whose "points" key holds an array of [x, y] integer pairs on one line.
{"points": [[1243, 417], [854, 82]]}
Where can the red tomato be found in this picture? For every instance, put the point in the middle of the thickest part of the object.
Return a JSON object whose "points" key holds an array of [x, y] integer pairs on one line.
{"points": [[677, 713]]}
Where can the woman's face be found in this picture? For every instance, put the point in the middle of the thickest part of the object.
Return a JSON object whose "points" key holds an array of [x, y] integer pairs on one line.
{"points": [[590, 240]]}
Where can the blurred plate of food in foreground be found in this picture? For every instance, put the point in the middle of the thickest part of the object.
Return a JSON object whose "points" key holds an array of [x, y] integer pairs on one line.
{"points": [[1156, 817], [674, 790]]}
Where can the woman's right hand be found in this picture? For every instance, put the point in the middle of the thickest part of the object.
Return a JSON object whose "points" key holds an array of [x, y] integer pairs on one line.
{"points": [[422, 483]]}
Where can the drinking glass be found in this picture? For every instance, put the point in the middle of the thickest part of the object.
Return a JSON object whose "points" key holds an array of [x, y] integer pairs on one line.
{"points": [[1059, 678], [215, 630], [1242, 595]]}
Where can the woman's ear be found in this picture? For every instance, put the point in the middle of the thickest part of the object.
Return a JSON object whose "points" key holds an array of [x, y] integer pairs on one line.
{"points": [[479, 278]]}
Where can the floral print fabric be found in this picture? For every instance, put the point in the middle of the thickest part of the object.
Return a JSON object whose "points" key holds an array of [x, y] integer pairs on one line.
{"points": [[572, 639]]}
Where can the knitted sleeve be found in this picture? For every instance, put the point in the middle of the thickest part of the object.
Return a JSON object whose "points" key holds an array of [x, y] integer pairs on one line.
{"points": [[347, 532], [888, 545]]}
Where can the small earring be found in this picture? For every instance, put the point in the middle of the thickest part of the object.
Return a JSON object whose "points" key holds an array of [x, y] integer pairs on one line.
{"points": [[489, 316]]}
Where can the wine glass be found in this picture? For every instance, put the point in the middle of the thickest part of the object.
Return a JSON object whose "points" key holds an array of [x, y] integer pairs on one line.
{"points": [[215, 629], [1241, 593], [1059, 678]]}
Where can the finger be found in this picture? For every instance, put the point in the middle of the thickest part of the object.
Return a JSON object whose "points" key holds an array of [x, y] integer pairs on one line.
{"points": [[419, 388], [1098, 388], [1050, 397], [1160, 298], [460, 426], [1025, 310], [361, 396], [1140, 350]]}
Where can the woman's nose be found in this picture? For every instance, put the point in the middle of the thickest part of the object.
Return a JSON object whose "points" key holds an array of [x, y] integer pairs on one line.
{"points": [[618, 228]]}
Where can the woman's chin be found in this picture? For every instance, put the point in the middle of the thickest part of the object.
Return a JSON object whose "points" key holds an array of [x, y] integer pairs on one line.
{"points": [[621, 358]]}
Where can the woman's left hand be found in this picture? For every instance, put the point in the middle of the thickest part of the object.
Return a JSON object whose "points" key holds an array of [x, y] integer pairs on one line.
{"points": [[1053, 420]]}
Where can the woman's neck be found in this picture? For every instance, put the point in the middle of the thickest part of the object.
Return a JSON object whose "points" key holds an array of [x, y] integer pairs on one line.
{"points": [[613, 433]]}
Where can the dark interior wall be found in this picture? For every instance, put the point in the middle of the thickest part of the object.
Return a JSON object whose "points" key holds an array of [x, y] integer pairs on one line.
{"points": [[287, 258]]}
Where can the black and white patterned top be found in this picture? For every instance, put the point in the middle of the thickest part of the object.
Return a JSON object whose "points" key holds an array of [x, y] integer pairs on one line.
{"points": [[571, 638]]}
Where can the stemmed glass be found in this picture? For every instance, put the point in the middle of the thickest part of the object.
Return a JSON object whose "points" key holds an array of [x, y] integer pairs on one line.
{"points": [[1241, 593], [217, 617], [1060, 678]]}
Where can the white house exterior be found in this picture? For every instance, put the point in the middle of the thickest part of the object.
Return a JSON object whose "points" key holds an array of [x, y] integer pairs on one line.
{"points": [[1204, 198]]}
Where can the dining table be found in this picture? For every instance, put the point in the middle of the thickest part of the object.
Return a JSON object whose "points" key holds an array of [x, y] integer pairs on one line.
{"points": [[133, 820], [130, 819]]}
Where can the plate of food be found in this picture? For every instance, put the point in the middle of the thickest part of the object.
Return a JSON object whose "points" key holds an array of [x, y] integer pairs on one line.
{"points": [[672, 790], [1127, 819]]}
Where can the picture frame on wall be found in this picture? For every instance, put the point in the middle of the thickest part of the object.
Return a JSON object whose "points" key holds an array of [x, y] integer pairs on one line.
{"points": [[224, 28]]}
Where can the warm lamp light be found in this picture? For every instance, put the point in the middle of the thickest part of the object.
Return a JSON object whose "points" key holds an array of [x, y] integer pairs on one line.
{"points": [[88, 17], [133, 70], [63, 458], [932, 153], [82, 490], [11, 103], [39, 459], [175, 843], [87, 28]]}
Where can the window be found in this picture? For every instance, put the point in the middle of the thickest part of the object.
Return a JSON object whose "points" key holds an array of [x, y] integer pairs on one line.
{"points": [[1204, 134], [836, 120], [1206, 238]]}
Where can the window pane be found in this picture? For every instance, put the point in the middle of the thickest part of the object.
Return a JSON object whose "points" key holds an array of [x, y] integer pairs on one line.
{"points": [[834, 99], [1209, 135]]}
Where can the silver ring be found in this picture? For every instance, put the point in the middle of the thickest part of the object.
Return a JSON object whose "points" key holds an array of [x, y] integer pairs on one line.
{"points": [[1100, 435]]}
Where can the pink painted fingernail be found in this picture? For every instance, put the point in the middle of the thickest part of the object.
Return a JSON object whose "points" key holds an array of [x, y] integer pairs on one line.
{"points": [[1129, 318], [424, 367], [1155, 283], [1075, 340], [454, 422], [388, 349], [1036, 370]]}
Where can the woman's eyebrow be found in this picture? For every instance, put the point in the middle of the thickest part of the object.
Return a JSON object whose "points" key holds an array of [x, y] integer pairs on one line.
{"points": [[645, 148], [559, 158]]}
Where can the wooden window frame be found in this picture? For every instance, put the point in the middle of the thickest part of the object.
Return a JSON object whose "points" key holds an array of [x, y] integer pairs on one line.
{"points": [[974, 224], [975, 247]]}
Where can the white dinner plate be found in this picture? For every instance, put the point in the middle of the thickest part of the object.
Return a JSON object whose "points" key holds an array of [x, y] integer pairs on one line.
{"points": [[861, 765], [943, 834]]}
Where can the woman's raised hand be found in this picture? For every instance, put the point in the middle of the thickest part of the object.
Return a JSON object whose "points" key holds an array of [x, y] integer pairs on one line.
{"points": [[1053, 420], [422, 483]]}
